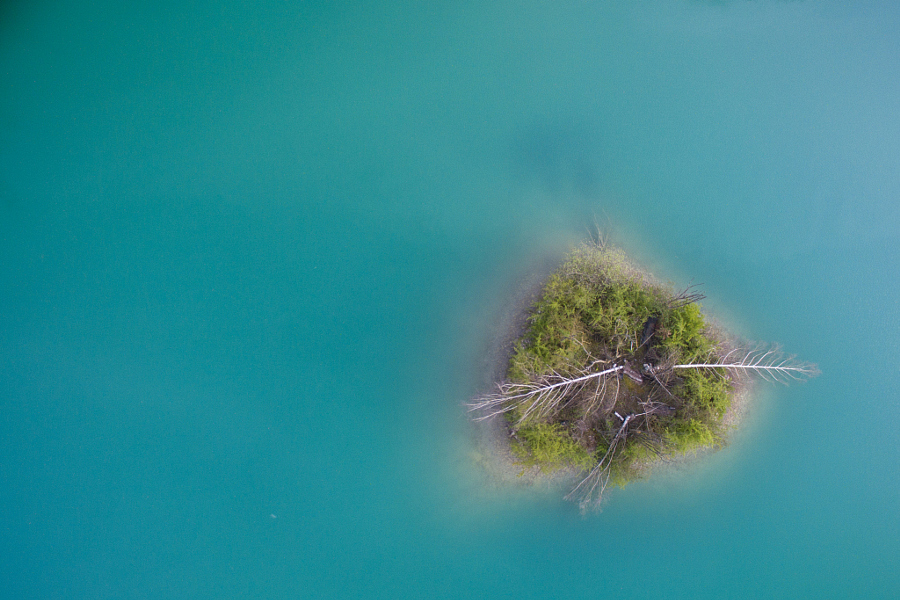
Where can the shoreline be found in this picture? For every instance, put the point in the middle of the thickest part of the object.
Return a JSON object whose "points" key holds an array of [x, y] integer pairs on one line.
{"points": [[492, 436]]}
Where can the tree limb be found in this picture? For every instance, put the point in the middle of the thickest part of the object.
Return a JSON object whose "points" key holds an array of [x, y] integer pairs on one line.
{"points": [[538, 399], [769, 364]]}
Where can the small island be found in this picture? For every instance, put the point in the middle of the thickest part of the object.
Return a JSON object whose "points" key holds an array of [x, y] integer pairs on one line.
{"points": [[615, 371]]}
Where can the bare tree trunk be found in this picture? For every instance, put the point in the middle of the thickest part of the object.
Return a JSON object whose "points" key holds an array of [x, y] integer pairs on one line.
{"points": [[770, 364], [538, 399]]}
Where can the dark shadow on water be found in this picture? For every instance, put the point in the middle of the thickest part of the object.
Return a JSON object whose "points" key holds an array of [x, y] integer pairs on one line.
{"points": [[559, 156]]}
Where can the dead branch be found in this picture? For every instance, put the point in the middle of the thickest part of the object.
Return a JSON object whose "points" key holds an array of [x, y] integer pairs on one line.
{"points": [[769, 364], [686, 297], [589, 490], [539, 399]]}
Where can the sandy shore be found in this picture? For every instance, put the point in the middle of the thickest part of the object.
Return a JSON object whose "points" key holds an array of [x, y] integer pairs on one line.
{"points": [[491, 438]]}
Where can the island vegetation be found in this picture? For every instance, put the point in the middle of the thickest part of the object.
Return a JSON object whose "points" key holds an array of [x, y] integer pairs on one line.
{"points": [[615, 371]]}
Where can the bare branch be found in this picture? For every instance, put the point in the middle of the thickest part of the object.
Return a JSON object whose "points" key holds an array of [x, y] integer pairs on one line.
{"points": [[687, 297], [770, 364], [589, 490], [539, 399]]}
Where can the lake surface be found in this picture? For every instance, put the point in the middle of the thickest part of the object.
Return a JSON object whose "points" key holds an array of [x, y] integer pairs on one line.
{"points": [[252, 258]]}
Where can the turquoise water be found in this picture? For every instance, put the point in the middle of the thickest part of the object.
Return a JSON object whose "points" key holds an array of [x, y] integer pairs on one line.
{"points": [[251, 255]]}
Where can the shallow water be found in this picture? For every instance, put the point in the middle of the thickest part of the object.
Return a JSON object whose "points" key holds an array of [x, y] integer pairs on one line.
{"points": [[253, 256]]}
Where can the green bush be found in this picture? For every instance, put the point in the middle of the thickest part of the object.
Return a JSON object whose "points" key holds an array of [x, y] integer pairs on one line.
{"points": [[685, 327], [549, 446], [554, 333], [707, 391], [575, 312], [686, 436]]}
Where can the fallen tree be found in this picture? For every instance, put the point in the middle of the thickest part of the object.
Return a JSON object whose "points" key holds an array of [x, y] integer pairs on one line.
{"points": [[615, 369]]}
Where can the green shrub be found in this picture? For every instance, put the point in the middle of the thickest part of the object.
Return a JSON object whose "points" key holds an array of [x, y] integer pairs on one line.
{"points": [[689, 435], [549, 446], [555, 333], [685, 326], [574, 312], [707, 391]]}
